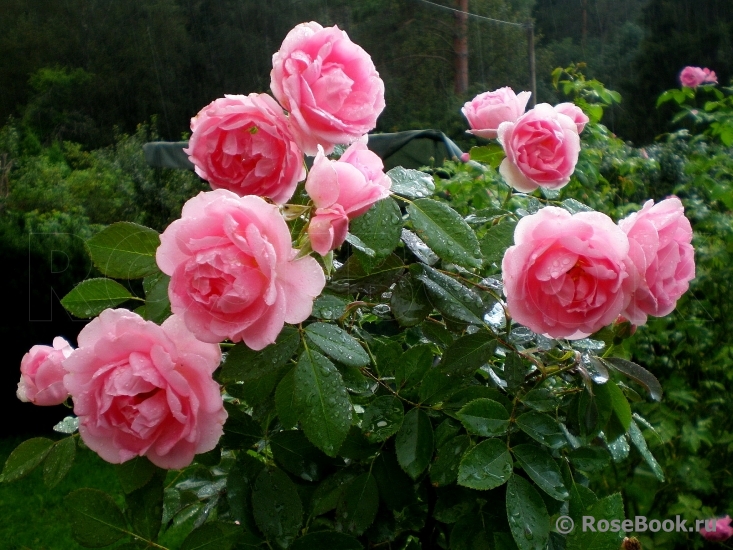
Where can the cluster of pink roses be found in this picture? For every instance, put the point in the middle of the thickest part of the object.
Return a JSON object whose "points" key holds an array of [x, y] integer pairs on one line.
{"points": [[143, 389], [568, 276], [541, 145], [692, 77]]}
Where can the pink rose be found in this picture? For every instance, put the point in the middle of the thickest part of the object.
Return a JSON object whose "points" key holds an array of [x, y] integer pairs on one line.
{"points": [[488, 110], [692, 77], [233, 270], [140, 389], [662, 260], [42, 375], [564, 276], [541, 147], [244, 144], [575, 113], [328, 84], [343, 190], [717, 530]]}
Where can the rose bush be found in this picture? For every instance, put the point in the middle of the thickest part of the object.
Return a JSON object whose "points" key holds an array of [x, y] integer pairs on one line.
{"points": [[488, 110], [244, 144], [140, 389]]}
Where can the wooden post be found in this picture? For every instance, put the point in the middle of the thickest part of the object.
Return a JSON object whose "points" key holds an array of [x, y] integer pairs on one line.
{"points": [[532, 68], [460, 45]]}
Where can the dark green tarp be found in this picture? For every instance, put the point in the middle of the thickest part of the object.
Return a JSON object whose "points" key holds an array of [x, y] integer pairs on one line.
{"points": [[411, 149]]}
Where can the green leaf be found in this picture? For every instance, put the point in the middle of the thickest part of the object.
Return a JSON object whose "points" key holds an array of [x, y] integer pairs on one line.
{"points": [[125, 250], [144, 507], [215, 535], [329, 307], [240, 480], [488, 154], [484, 417], [527, 515], [620, 406], [328, 494], [59, 461], [135, 473], [541, 399], [91, 297], [542, 428], [409, 302], [352, 277], [497, 239], [590, 459], [382, 418], [337, 344], [240, 431], [412, 366], [542, 469], [608, 508], [514, 370], [467, 354], [486, 466], [637, 438], [412, 184], [436, 386], [444, 470], [292, 450], [322, 402], [380, 229], [581, 498], [445, 232], [285, 401], [463, 396], [414, 443], [594, 410], [395, 487], [638, 374], [96, 520], [277, 507], [326, 540], [359, 505], [157, 304], [454, 300], [25, 458]]}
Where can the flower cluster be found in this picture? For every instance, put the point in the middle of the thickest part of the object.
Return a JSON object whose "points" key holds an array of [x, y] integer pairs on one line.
{"points": [[692, 77]]}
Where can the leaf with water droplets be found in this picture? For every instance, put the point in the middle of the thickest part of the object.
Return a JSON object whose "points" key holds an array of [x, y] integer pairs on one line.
{"points": [[418, 247], [444, 470], [467, 354], [445, 232], [359, 504], [542, 469], [409, 303], [379, 229], [542, 428], [486, 466], [292, 450], [637, 438], [96, 520], [337, 344], [453, 299], [594, 410], [395, 486], [285, 400], [125, 250], [496, 241], [257, 368], [414, 443], [527, 515], [322, 402], [240, 430], [329, 307], [514, 370], [484, 417], [382, 418], [157, 303], [68, 425], [590, 459], [25, 458], [277, 507], [59, 461], [89, 298], [412, 184], [609, 508], [638, 374], [215, 535], [352, 277]]}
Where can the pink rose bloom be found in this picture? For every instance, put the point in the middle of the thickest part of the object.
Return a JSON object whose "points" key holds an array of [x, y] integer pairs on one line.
{"points": [[717, 530], [692, 77], [541, 147], [487, 111], [575, 113], [244, 144], [328, 84], [564, 276], [42, 375], [662, 260], [343, 190], [140, 389], [233, 270]]}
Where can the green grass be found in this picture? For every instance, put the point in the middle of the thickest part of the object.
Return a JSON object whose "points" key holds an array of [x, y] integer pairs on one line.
{"points": [[34, 517]]}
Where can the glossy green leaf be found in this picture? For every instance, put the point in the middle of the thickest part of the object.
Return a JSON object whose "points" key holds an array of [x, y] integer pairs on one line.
{"points": [[59, 461], [497, 239], [240, 481], [527, 515], [444, 470], [594, 410], [436, 386], [285, 401], [454, 300], [608, 508], [620, 406], [292, 450], [91, 297], [590, 459], [352, 277], [484, 417], [541, 400], [514, 370], [135, 473], [445, 232], [467, 354], [329, 307], [215, 535], [542, 469], [486, 466], [329, 492], [413, 365], [157, 303], [581, 498], [359, 504], [240, 431], [414, 443], [491, 155], [412, 184], [25, 458], [637, 438], [338, 344], [542, 428], [409, 302], [326, 540], [144, 507], [395, 487], [638, 374], [277, 508], [125, 250], [96, 520], [379, 229], [382, 418], [322, 402]]}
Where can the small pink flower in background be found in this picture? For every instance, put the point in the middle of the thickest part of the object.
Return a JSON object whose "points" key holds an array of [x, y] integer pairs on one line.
{"points": [[575, 113], [488, 110], [717, 530], [465, 157], [244, 144], [42, 374], [692, 77], [233, 270], [542, 149], [343, 190], [140, 389], [564, 275], [328, 84], [662, 259]]}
